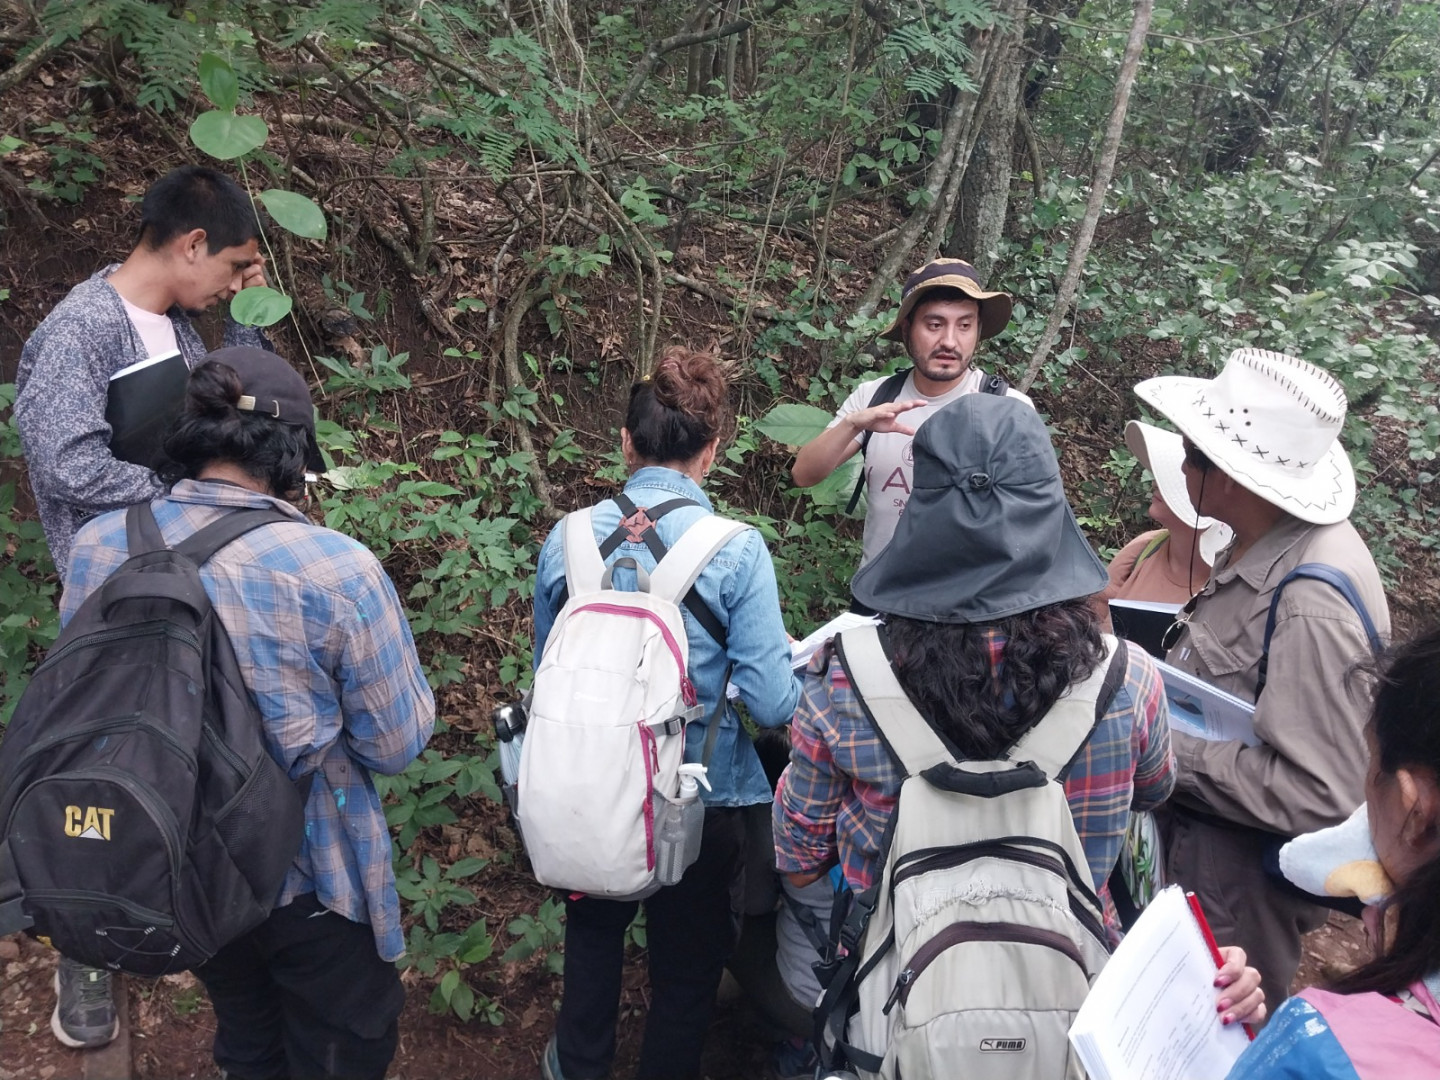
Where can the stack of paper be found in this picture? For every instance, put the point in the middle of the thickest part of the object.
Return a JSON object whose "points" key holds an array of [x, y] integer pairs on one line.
{"points": [[1151, 1013]]}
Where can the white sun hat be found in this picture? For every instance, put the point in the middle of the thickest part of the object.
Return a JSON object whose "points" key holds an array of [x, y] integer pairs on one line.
{"points": [[1271, 423], [1162, 452]]}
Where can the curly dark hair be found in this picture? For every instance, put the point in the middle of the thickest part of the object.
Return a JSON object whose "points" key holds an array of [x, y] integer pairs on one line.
{"points": [[211, 428], [947, 673]]}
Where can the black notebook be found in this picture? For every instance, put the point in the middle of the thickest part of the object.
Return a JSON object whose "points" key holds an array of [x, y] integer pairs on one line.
{"points": [[1143, 622], [144, 398]]}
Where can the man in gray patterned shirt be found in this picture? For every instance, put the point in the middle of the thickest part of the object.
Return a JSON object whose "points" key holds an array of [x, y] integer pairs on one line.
{"points": [[199, 244]]}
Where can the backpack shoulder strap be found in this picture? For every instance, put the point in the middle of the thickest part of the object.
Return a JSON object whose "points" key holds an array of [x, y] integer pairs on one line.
{"points": [[204, 543], [1153, 545], [652, 540], [142, 531], [905, 731], [1055, 742], [687, 558], [584, 568], [994, 384], [888, 390], [1336, 579]]}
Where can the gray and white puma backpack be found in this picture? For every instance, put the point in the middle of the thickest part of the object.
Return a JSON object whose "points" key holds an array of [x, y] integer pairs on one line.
{"points": [[971, 954]]}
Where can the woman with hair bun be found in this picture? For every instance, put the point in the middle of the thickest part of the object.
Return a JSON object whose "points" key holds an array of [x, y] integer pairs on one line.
{"points": [[673, 427]]}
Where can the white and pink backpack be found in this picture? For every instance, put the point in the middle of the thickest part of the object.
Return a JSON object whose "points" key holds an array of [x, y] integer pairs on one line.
{"points": [[606, 731]]}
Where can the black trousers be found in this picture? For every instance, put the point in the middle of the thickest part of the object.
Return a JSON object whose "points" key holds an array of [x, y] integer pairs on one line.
{"points": [[304, 996], [689, 931]]}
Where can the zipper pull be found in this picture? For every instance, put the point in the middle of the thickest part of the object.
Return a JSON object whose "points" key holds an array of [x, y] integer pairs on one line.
{"points": [[906, 978], [687, 691]]}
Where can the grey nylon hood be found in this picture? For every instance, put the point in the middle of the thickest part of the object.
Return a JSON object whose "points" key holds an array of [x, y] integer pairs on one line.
{"points": [[987, 532]]}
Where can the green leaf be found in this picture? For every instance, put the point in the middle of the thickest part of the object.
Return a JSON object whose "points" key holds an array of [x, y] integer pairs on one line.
{"points": [[793, 424], [260, 305], [217, 79], [466, 867], [449, 982], [227, 135], [295, 213], [463, 1001]]}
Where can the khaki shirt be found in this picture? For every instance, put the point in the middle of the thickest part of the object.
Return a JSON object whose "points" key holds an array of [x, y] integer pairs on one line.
{"points": [[1308, 771]]}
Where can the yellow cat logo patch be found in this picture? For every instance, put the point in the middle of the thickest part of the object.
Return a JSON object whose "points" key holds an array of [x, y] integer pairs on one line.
{"points": [[91, 823]]}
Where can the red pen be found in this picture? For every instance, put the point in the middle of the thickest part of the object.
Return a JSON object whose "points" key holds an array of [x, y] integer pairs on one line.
{"points": [[1209, 936]]}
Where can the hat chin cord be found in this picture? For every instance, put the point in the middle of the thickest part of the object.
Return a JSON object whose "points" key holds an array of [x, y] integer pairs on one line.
{"points": [[1195, 539]]}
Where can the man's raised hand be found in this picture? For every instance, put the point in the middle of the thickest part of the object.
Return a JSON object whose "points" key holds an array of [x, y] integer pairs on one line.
{"points": [[884, 418]]}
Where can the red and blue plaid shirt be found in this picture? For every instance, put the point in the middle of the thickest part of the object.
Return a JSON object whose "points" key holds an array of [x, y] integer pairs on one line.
{"points": [[838, 793]]}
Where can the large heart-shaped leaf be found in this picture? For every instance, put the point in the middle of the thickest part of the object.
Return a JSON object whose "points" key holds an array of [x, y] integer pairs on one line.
{"points": [[260, 305], [227, 135], [217, 79], [793, 424], [835, 490], [295, 212]]}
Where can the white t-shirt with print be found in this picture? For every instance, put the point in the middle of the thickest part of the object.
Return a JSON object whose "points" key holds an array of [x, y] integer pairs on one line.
{"points": [[156, 331], [889, 458]]}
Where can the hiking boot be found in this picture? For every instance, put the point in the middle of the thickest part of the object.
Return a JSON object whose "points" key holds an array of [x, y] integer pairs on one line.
{"points": [[550, 1062], [84, 1013]]}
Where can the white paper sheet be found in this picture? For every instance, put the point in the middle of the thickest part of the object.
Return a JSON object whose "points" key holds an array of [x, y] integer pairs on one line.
{"points": [[1151, 1013]]}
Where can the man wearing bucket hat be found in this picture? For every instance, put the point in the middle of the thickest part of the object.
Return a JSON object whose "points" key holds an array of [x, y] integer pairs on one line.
{"points": [[983, 646], [323, 646], [944, 314], [1262, 454]]}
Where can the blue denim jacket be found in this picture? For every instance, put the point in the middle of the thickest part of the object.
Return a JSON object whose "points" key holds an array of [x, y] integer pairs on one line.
{"points": [[739, 587]]}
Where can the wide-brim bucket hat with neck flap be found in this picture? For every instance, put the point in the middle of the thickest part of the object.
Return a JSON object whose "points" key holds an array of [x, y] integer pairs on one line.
{"points": [[1272, 423], [1163, 453], [987, 532], [995, 306]]}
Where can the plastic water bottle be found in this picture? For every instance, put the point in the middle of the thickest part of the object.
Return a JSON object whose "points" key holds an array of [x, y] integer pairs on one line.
{"points": [[510, 723], [682, 823]]}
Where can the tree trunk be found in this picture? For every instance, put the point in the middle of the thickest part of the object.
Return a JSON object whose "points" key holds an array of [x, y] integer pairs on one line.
{"points": [[978, 217], [1104, 169], [951, 138]]}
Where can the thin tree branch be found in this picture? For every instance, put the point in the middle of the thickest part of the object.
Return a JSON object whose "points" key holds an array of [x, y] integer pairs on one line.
{"points": [[1104, 169], [510, 350], [1032, 145], [23, 68], [690, 35], [950, 138], [420, 48]]}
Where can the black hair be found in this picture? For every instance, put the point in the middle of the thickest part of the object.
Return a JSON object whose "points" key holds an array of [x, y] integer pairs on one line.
{"points": [[196, 197], [1197, 458], [1405, 720], [945, 294], [211, 428], [679, 409], [946, 671]]}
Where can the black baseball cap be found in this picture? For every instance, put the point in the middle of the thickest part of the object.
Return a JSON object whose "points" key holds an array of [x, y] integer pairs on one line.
{"points": [[271, 387]]}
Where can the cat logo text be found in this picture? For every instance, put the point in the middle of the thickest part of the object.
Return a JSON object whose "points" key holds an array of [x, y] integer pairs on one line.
{"points": [[88, 823]]}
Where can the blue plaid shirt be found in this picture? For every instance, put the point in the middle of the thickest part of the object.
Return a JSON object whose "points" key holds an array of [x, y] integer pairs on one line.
{"points": [[326, 652]]}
